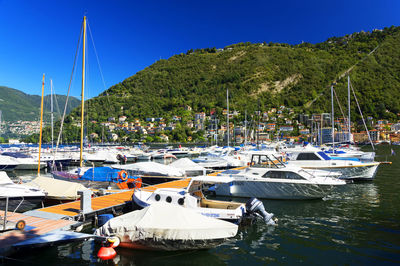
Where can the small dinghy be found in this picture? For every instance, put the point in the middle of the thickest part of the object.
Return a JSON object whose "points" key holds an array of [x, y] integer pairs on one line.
{"points": [[163, 226]]}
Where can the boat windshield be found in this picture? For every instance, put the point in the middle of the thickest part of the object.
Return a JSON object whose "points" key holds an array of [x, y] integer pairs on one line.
{"points": [[266, 161], [283, 175]]}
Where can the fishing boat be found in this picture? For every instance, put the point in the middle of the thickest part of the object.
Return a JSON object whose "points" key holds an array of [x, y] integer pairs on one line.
{"points": [[163, 226], [268, 177], [193, 198]]}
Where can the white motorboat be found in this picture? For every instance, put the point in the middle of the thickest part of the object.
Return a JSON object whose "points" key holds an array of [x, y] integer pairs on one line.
{"points": [[20, 198], [191, 168], [221, 159], [193, 198], [163, 226], [268, 177], [7, 163], [350, 169], [24, 161]]}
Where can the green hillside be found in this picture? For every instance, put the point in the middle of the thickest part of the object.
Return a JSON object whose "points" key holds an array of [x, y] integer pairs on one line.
{"points": [[272, 74], [16, 105], [292, 75]]}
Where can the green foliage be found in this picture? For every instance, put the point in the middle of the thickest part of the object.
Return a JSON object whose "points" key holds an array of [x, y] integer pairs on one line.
{"points": [[16, 105], [297, 76]]}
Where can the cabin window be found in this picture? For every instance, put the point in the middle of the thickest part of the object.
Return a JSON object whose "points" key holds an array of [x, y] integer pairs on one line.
{"points": [[282, 175], [307, 156]]}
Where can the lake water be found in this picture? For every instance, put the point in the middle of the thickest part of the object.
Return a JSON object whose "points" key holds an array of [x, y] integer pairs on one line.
{"points": [[358, 224]]}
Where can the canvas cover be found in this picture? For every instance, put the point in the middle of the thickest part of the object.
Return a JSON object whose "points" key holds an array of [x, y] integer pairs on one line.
{"points": [[163, 221], [151, 169], [4, 179], [187, 165], [57, 189]]}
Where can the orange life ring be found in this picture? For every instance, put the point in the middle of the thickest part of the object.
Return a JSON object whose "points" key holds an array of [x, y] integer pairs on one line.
{"points": [[123, 175]]}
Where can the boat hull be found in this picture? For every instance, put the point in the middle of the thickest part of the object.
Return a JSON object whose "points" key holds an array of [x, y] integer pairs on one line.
{"points": [[273, 190], [170, 245], [23, 203]]}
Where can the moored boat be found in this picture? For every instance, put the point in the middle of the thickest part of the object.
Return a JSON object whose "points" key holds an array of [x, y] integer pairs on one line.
{"points": [[163, 226]]}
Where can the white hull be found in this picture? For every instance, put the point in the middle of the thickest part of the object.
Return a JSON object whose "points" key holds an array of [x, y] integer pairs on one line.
{"points": [[365, 171], [273, 190]]}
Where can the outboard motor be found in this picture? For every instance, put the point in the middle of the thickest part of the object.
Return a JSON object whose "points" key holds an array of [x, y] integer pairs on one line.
{"points": [[256, 207]]}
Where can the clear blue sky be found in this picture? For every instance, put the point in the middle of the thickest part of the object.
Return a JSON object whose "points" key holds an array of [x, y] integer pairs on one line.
{"points": [[40, 36]]}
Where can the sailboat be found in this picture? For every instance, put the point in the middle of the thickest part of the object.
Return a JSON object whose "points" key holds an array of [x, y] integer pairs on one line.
{"points": [[98, 177]]}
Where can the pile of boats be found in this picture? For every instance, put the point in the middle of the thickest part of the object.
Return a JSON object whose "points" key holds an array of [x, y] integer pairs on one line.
{"points": [[172, 218]]}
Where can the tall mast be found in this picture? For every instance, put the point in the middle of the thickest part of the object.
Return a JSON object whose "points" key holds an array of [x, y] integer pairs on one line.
{"points": [[51, 109], [41, 123], [245, 128], [83, 87], [348, 95], [227, 114], [333, 122]]}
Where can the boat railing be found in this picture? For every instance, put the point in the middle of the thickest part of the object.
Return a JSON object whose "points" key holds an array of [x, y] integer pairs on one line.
{"points": [[6, 211]]}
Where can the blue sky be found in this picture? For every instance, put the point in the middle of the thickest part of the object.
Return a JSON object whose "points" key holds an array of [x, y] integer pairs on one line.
{"points": [[41, 36]]}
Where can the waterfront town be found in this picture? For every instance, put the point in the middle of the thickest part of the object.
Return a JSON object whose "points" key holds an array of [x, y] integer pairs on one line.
{"points": [[281, 122]]}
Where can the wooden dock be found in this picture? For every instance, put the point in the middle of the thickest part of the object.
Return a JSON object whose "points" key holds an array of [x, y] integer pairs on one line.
{"points": [[56, 223]]}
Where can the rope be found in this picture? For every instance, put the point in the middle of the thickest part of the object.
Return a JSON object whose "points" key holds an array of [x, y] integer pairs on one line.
{"points": [[69, 89], [365, 125], [98, 61]]}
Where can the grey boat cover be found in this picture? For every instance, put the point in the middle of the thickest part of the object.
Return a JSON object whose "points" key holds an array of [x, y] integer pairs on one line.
{"points": [[164, 221]]}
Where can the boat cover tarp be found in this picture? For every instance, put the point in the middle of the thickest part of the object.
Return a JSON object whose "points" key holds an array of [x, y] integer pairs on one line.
{"points": [[57, 189], [151, 169], [187, 165], [102, 174], [164, 221]]}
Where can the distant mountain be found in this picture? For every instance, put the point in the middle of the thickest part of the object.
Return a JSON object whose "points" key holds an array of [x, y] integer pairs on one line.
{"points": [[16, 105]]}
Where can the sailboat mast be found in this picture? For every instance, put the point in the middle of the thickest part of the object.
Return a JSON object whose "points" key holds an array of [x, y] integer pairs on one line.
{"points": [[348, 96], [51, 109], [245, 128], [41, 125], [83, 88], [333, 122], [227, 114]]}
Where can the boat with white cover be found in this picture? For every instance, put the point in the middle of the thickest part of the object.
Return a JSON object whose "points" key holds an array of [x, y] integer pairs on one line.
{"points": [[20, 197], [164, 226], [268, 177], [152, 172]]}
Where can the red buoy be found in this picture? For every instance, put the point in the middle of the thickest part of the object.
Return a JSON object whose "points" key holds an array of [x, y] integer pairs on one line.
{"points": [[106, 253]]}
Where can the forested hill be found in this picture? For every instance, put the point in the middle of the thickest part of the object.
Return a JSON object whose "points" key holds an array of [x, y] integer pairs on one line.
{"points": [[16, 105], [272, 73]]}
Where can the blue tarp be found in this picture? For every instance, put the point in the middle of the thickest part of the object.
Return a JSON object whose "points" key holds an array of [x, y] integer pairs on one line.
{"points": [[103, 174]]}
